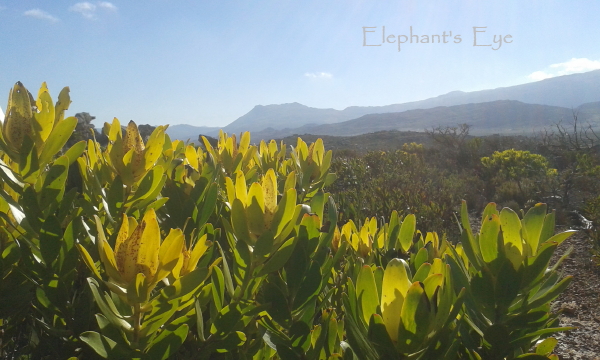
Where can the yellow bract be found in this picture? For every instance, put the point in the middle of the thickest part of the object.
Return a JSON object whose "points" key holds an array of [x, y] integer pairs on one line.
{"points": [[189, 257], [129, 156], [138, 250]]}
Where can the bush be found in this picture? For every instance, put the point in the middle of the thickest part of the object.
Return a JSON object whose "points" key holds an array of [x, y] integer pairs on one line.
{"points": [[234, 252]]}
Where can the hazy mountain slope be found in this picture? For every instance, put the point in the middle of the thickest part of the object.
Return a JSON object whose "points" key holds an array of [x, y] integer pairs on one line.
{"points": [[185, 132], [284, 115], [566, 91], [504, 116]]}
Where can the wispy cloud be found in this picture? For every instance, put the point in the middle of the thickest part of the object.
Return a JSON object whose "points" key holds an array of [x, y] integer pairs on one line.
{"points": [[572, 66], [106, 5], [40, 14], [88, 10], [318, 75]]}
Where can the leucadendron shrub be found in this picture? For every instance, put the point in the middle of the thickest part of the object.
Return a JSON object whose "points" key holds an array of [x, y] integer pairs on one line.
{"points": [[236, 251]]}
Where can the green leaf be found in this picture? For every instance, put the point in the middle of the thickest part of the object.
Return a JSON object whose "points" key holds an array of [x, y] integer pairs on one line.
{"points": [[226, 272], [54, 184], [151, 181], [508, 284], [498, 337], [187, 284], [488, 238], [379, 336], [310, 286], [239, 222], [279, 308], [421, 258], [162, 311], [553, 293], [548, 228], [199, 320], [28, 161], [264, 245], [57, 139], [50, 240], [546, 347], [226, 320], [102, 345], [366, 292], [208, 206], [482, 288], [107, 310], [560, 237], [534, 271], [299, 334], [407, 231], [64, 100], [278, 260], [533, 222], [395, 286], [489, 210], [218, 283], [467, 239], [415, 319], [167, 343], [75, 151], [422, 272], [511, 228]]}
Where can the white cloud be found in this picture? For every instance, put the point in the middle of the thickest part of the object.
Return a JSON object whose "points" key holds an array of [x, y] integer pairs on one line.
{"points": [[539, 75], [1, 115], [318, 75], [108, 6], [572, 66], [88, 9], [40, 14]]}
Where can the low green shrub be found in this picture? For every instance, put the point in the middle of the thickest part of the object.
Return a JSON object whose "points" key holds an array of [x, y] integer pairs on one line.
{"points": [[168, 251]]}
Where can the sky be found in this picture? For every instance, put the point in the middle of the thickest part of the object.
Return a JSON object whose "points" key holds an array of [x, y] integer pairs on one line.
{"points": [[206, 63]]}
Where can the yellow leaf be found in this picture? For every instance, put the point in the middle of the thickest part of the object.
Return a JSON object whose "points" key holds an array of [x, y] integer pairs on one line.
{"points": [[149, 246], [115, 131], [169, 253], [44, 120], [62, 105], [393, 291], [192, 156], [269, 186], [123, 234], [318, 152], [240, 187], [107, 255], [154, 149], [199, 249], [128, 254], [230, 189], [244, 142], [17, 122]]}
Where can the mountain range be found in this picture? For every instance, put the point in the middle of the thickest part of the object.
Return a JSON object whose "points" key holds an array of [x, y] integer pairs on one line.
{"points": [[511, 110]]}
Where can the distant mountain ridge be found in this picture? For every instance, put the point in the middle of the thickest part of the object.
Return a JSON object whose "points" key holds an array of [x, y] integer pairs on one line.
{"points": [[496, 117], [567, 91], [576, 91], [189, 132]]}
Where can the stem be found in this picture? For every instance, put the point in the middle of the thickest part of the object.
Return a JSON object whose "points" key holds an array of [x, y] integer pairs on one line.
{"points": [[137, 320], [247, 279]]}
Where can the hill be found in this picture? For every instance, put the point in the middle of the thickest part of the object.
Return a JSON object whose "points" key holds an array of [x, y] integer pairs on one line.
{"points": [[497, 117], [189, 132], [568, 91]]}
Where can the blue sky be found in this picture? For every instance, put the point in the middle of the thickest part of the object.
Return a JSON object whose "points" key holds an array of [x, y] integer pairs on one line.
{"points": [[206, 63]]}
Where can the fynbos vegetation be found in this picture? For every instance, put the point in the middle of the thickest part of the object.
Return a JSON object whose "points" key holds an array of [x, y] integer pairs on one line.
{"points": [[238, 251]]}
